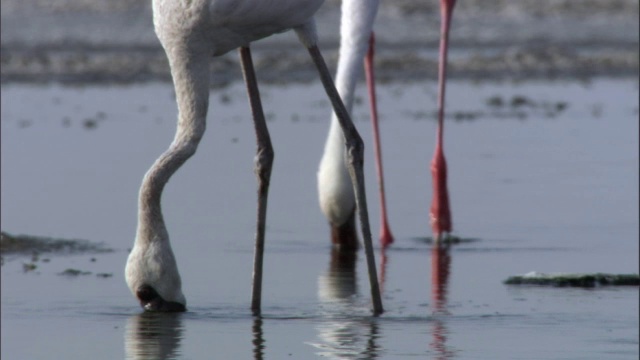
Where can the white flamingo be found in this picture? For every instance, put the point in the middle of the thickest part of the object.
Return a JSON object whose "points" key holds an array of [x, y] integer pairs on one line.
{"points": [[337, 200], [191, 31]]}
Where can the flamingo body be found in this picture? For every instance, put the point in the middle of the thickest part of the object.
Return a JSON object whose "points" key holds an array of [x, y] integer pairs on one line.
{"points": [[225, 25]]}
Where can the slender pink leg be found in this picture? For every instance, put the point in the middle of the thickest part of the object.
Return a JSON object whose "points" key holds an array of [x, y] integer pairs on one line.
{"points": [[386, 238], [440, 213]]}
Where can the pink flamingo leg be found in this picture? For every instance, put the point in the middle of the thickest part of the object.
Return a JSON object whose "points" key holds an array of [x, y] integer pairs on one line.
{"points": [[386, 238], [440, 213]]}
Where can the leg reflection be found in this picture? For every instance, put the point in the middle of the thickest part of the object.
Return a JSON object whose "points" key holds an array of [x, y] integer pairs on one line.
{"points": [[258, 339], [440, 269], [339, 285], [347, 330], [153, 336]]}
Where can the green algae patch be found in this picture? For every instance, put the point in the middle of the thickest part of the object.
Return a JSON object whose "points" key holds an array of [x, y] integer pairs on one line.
{"points": [[574, 280]]}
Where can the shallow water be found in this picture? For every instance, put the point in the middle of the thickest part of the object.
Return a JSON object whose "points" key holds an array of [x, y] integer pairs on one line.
{"points": [[540, 186]]}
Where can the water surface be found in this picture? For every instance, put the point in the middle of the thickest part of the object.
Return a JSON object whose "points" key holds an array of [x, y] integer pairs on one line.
{"points": [[547, 181]]}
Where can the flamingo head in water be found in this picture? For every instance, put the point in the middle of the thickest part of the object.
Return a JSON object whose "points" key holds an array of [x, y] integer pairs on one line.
{"points": [[153, 278]]}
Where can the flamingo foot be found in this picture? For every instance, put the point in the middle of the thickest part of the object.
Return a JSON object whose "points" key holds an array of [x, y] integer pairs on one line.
{"points": [[386, 238]]}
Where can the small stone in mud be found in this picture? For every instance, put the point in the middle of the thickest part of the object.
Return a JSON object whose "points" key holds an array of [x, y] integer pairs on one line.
{"points": [[561, 106], [46, 260], [495, 101], [419, 115], [24, 123], [92, 259], [225, 98], [461, 115], [447, 240], [74, 272], [90, 124], [104, 275], [596, 110], [519, 100], [29, 267]]}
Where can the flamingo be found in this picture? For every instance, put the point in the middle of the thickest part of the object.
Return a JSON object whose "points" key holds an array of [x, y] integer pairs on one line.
{"points": [[336, 196], [190, 33], [337, 200]]}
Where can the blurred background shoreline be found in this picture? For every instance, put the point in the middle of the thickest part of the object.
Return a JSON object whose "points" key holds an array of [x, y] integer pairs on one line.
{"points": [[112, 42]]}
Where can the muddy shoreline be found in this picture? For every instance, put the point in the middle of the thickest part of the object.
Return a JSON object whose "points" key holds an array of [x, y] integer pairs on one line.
{"points": [[79, 42]]}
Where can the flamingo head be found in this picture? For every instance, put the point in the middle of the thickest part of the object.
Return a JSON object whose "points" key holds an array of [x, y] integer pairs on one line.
{"points": [[153, 278], [150, 300]]}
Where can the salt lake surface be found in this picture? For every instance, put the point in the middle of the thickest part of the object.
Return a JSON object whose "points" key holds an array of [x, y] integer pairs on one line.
{"points": [[543, 176]]}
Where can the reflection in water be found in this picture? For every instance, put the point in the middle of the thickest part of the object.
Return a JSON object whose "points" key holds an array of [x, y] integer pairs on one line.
{"points": [[440, 268], [153, 336], [258, 339], [346, 333]]}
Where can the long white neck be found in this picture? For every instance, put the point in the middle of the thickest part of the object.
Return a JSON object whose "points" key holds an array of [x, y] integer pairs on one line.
{"points": [[355, 29], [336, 194], [151, 261], [191, 81]]}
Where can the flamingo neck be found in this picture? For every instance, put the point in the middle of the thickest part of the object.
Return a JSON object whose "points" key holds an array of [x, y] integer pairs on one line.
{"points": [[355, 28], [337, 199], [191, 81]]}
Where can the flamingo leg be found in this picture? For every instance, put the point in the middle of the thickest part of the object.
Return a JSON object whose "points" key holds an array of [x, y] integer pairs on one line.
{"points": [[386, 238], [263, 165], [355, 160], [440, 213]]}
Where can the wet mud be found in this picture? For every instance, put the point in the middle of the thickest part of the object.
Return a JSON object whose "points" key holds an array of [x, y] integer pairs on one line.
{"points": [[34, 245], [575, 280]]}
